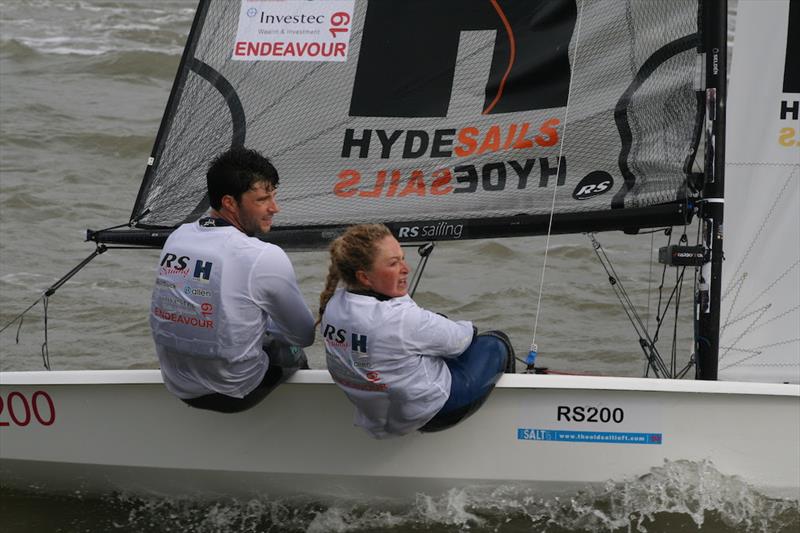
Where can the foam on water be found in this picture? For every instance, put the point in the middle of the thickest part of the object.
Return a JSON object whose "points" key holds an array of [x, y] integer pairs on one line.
{"points": [[677, 496]]}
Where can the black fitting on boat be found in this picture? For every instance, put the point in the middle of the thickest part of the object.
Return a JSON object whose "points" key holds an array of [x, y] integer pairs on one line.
{"points": [[681, 255]]}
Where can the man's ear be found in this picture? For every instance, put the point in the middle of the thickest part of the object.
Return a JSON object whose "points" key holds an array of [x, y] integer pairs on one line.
{"points": [[362, 279], [229, 203]]}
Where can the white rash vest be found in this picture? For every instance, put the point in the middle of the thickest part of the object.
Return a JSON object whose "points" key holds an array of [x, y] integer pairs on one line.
{"points": [[387, 357], [217, 293]]}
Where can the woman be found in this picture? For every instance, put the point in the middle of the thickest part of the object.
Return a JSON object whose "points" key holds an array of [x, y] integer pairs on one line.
{"points": [[404, 368]]}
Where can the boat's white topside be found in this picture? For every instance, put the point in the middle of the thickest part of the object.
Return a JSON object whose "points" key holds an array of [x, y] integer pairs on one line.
{"points": [[111, 430], [510, 381]]}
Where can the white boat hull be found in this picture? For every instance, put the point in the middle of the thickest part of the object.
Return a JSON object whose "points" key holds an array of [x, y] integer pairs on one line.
{"points": [[102, 431]]}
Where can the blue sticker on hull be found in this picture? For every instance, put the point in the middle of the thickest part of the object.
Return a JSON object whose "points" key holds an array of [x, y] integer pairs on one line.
{"points": [[608, 437]]}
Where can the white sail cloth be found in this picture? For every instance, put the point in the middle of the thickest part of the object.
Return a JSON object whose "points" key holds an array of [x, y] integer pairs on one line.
{"points": [[760, 319]]}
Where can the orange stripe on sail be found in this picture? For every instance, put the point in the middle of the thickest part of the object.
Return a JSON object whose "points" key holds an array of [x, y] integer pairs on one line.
{"points": [[512, 57]]}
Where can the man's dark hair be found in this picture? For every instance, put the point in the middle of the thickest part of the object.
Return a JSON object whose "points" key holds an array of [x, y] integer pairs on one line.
{"points": [[235, 171]]}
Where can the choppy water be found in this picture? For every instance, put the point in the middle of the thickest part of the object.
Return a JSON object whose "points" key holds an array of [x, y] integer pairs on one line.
{"points": [[679, 496], [82, 88]]}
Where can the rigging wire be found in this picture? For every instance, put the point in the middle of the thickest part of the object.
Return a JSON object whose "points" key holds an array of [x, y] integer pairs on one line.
{"points": [[649, 289], [531, 359], [652, 357], [677, 307], [57, 285], [45, 349], [45, 299], [650, 279], [424, 252]]}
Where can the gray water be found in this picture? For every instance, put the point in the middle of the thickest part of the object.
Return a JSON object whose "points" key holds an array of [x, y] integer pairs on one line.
{"points": [[83, 85]]}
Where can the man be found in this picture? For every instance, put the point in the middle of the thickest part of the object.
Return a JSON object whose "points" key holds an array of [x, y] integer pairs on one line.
{"points": [[227, 315]]}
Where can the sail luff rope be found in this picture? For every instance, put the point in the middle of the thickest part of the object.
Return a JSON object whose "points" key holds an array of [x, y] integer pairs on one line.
{"points": [[558, 173]]}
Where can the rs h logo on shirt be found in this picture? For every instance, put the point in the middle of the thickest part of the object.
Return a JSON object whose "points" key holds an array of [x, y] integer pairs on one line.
{"points": [[202, 269], [359, 343]]}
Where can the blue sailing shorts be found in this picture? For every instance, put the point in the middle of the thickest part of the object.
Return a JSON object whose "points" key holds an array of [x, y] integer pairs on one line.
{"points": [[474, 374]]}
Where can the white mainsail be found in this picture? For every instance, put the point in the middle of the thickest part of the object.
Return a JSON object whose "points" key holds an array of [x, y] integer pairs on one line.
{"points": [[760, 319], [461, 121]]}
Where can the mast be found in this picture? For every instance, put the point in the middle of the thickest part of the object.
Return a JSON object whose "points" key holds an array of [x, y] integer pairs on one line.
{"points": [[714, 24]]}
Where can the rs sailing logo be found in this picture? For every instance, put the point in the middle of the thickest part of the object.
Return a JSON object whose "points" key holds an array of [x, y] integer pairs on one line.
{"points": [[593, 184]]}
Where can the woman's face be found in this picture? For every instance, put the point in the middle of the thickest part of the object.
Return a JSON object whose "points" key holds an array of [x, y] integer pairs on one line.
{"points": [[389, 272]]}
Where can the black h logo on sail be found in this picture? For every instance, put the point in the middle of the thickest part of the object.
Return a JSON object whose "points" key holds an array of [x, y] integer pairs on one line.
{"points": [[791, 71], [403, 73]]}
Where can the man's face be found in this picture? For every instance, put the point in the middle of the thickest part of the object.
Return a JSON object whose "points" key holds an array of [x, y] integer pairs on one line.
{"points": [[256, 208]]}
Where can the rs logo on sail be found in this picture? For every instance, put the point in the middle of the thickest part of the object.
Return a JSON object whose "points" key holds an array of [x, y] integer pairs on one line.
{"points": [[593, 184]]}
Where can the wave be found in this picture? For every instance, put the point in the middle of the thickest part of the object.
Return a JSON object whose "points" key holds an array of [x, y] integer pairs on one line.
{"points": [[25, 280], [22, 199], [84, 29], [135, 64], [680, 495], [15, 50], [131, 63], [120, 145], [494, 249], [572, 252]]}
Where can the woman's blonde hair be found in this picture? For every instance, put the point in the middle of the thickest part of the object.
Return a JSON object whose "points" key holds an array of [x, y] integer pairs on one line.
{"points": [[352, 251]]}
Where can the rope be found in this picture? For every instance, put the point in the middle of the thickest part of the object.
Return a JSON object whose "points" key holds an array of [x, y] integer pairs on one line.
{"points": [[44, 298], [530, 361], [652, 357]]}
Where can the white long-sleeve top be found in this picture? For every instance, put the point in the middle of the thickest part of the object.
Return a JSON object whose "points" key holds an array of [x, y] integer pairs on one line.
{"points": [[217, 293], [387, 357]]}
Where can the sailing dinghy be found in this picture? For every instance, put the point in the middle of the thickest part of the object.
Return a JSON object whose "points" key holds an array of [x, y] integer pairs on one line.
{"points": [[459, 120]]}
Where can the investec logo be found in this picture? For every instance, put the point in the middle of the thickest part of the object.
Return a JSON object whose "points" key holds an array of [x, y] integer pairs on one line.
{"points": [[302, 18]]}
